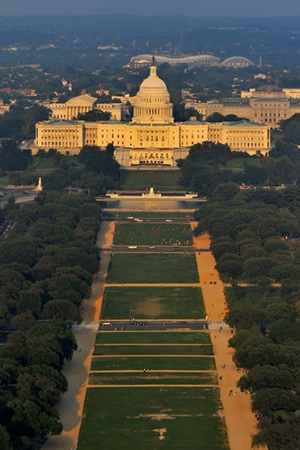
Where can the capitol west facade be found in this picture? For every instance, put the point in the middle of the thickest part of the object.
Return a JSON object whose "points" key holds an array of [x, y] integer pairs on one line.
{"points": [[151, 137]]}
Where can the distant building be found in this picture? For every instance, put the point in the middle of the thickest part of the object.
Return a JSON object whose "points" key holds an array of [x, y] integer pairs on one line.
{"points": [[197, 60], [73, 107], [4, 108], [267, 103], [115, 109], [151, 137], [237, 62], [191, 61]]}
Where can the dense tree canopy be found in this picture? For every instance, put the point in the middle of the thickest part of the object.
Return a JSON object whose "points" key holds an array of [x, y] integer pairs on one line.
{"points": [[44, 274]]}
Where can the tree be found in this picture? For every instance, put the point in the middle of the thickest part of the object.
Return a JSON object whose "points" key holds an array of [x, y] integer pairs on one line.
{"points": [[254, 175], [225, 191], [93, 182], [278, 431], [284, 169], [244, 316], [95, 115], [30, 300], [240, 338], [223, 245], [255, 268], [229, 264], [272, 399], [252, 251], [263, 377], [99, 162], [4, 439], [46, 355], [282, 148], [24, 321], [215, 117], [292, 132], [61, 309], [11, 157]]}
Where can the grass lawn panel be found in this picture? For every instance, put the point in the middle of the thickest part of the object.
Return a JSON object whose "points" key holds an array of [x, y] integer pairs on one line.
{"points": [[141, 180], [153, 302], [205, 349], [170, 234], [147, 214], [135, 419], [251, 294], [156, 363], [152, 378], [239, 163], [153, 337], [152, 268], [46, 162], [4, 180]]}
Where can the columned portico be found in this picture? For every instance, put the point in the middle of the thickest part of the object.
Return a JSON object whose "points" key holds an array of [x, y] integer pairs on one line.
{"points": [[152, 156]]}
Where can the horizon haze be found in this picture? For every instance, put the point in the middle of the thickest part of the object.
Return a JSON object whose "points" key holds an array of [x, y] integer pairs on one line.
{"points": [[189, 8]]}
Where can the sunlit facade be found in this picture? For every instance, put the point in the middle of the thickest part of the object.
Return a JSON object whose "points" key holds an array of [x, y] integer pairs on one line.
{"points": [[151, 137]]}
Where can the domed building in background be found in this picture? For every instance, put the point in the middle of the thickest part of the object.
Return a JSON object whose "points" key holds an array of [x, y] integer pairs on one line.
{"points": [[152, 137], [153, 100]]}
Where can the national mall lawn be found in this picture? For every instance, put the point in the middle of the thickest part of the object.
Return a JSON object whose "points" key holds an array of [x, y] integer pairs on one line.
{"points": [[164, 418], [166, 234], [153, 302], [155, 390], [152, 268]]}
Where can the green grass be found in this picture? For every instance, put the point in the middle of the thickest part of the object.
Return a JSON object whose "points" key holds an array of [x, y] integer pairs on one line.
{"points": [[152, 268], [155, 363], [136, 180], [239, 163], [153, 234], [147, 214], [128, 418], [151, 302], [152, 378], [251, 294], [44, 162], [4, 180], [153, 337], [153, 349], [277, 135]]}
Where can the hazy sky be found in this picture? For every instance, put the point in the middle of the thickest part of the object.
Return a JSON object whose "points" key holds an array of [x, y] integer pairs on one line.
{"points": [[193, 8]]}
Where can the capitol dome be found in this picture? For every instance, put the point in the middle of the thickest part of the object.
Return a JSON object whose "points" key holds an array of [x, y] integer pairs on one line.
{"points": [[153, 100], [153, 82]]}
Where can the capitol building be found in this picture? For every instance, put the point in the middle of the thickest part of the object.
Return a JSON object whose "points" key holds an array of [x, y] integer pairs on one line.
{"points": [[152, 136]]}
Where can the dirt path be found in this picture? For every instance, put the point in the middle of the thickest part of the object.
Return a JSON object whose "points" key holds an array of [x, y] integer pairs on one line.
{"points": [[71, 406], [240, 421]]}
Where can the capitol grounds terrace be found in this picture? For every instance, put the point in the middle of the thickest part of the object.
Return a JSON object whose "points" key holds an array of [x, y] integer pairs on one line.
{"points": [[155, 389]]}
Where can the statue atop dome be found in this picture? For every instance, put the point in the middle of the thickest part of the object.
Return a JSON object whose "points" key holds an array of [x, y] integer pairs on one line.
{"points": [[153, 61]]}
